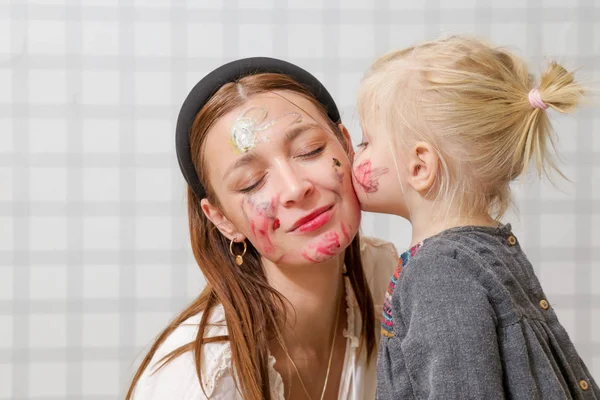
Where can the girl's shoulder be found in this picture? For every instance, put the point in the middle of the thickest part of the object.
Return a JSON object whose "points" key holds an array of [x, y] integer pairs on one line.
{"points": [[469, 248], [178, 378]]}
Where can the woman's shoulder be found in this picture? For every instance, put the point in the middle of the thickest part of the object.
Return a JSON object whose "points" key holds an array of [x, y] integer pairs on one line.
{"points": [[376, 255], [178, 378], [379, 259]]}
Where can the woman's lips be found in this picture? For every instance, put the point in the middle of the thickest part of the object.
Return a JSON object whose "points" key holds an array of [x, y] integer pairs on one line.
{"points": [[314, 220]]}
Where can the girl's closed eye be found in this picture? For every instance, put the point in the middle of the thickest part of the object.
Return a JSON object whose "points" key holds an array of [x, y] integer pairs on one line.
{"points": [[362, 144]]}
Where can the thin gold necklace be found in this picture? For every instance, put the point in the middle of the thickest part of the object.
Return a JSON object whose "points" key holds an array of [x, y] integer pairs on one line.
{"points": [[337, 313]]}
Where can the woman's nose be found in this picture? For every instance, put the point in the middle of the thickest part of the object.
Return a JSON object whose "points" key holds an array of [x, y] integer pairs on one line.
{"points": [[295, 185]]}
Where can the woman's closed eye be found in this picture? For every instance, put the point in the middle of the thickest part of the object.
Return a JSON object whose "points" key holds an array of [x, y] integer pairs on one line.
{"points": [[304, 153], [307, 153], [253, 186], [362, 144]]}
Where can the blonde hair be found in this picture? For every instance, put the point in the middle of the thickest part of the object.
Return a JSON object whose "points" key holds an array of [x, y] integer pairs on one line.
{"points": [[470, 101]]}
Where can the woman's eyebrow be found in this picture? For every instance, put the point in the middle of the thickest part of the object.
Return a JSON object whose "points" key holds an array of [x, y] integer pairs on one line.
{"points": [[244, 160], [297, 130]]}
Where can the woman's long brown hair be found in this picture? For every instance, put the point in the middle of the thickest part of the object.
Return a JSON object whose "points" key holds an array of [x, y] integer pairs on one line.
{"points": [[253, 309]]}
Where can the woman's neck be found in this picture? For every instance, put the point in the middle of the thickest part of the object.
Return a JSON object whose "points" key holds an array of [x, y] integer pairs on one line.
{"points": [[313, 292]]}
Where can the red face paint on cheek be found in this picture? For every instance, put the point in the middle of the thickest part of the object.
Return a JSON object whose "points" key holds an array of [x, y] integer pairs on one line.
{"points": [[368, 177], [329, 245], [260, 231], [345, 233], [263, 233], [276, 224], [326, 248], [309, 258], [262, 223], [362, 173]]}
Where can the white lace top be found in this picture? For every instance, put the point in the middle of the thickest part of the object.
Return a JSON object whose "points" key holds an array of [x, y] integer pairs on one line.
{"points": [[178, 379]]}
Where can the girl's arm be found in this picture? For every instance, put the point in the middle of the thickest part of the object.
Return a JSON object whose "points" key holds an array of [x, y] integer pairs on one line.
{"points": [[446, 332]]}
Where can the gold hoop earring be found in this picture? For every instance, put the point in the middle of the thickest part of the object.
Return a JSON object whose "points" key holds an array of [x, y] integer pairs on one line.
{"points": [[239, 259]]}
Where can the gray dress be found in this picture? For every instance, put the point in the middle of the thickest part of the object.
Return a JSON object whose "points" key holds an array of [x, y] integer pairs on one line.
{"points": [[469, 320]]}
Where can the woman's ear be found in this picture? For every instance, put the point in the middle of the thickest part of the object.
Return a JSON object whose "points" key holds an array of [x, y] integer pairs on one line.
{"points": [[347, 142], [226, 227], [423, 167]]}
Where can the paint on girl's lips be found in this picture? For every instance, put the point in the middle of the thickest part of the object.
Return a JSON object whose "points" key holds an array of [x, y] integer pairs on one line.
{"points": [[276, 224], [368, 177]]}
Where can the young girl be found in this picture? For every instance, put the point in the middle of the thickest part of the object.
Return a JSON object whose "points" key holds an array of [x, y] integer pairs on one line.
{"points": [[448, 125]]}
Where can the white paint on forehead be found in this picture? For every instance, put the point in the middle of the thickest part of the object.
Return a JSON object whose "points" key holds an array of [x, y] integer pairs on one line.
{"points": [[249, 128]]}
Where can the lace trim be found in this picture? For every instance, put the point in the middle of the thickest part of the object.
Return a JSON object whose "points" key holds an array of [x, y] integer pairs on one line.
{"points": [[219, 365], [275, 380]]}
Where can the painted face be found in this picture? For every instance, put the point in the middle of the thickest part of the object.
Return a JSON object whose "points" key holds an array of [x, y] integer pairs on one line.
{"points": [[283, 179], [375, 177]]}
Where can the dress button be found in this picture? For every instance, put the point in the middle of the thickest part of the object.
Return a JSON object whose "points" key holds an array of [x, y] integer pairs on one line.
{"points": [[544, 304], [512, 240], [583, 385]]}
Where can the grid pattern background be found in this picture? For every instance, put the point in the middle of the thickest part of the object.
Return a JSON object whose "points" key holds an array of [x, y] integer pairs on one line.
{"points": [[94, 254]]}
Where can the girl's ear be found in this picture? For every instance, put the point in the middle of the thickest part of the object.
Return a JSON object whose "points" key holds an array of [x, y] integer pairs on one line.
{"points": [[423, 164]]}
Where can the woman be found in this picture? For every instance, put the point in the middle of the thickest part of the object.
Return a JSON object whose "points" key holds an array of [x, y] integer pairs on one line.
{"points": [[287, 311]]}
